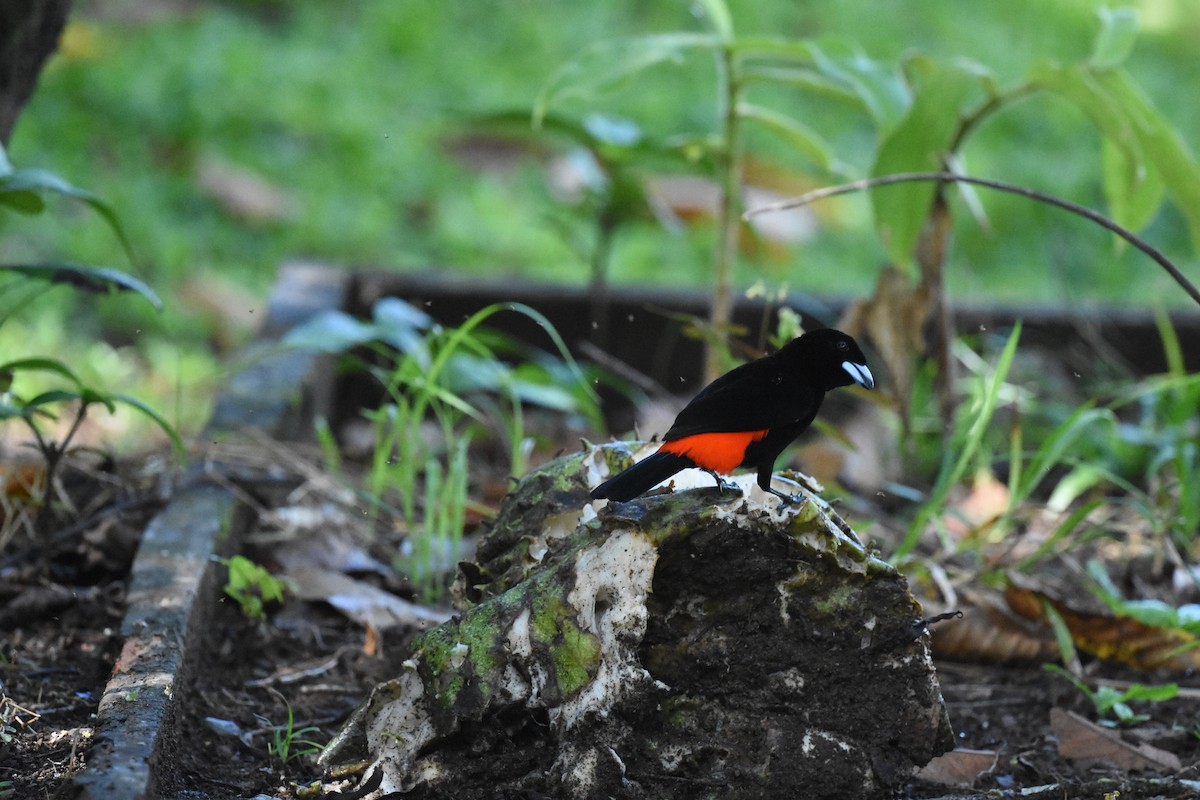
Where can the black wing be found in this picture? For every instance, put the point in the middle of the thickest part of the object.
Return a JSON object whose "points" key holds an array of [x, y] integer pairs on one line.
{"points": [[756, 396]]}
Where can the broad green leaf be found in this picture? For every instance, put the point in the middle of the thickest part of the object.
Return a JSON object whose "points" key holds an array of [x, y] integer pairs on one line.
{"points": [[158, 419], [970, 197], [20, 200], [330, 332], [1131, 123], [1162, 145], [40, 365], [605, 66], [52, 396], [91, 279], [719, 17], [400, 324], [805, 140], [920, 143], [841, 67], [804, 78], [880, 87], [40, 180], [1114, 41], [5, 166], [1133, 190]]}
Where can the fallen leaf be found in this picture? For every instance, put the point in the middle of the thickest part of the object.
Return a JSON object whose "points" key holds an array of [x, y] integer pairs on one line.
{"points": [[362, 602], [1112, 637], [893, 318], [1085, 742], [991, 633], [987, 499], [246, 195], [959, 767]]}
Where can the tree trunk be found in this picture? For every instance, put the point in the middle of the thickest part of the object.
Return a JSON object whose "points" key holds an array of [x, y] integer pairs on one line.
{"points": [[29, 31]]}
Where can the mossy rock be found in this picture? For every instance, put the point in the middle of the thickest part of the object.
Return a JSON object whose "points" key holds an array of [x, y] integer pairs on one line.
{"points": [[686, 644]]}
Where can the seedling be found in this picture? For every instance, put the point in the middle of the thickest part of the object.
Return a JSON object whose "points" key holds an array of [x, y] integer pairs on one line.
{"points": [[286, 737], [252, 586], [1115, 701]]}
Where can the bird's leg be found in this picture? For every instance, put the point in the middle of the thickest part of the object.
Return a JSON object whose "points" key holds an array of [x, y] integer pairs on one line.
{"points": [[788, 499], [722, 484], [764, 483]]}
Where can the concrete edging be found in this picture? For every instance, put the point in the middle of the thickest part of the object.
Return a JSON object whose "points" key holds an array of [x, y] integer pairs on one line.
{"points": [[174, 578]]}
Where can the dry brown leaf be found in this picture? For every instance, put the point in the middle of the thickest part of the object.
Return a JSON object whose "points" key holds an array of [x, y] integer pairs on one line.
{"points": [[1111, 637], [987, 500], [362, 602], [893, 318], [990, 633], [1083, 741], [246, 195], [959, 767], [22, 482]]}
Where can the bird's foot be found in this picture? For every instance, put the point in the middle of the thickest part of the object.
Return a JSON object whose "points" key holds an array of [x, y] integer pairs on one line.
{"points": [[788, 499], [722, 484]]}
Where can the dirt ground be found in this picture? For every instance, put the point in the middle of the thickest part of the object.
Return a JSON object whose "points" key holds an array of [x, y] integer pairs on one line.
{"points": [[62, 605]]}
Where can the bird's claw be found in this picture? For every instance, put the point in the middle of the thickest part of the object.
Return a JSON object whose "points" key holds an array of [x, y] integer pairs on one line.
{"points": [[724, 485], [787, 499]]}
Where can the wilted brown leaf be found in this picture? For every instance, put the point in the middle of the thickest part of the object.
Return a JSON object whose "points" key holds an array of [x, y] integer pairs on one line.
{"points": [[893, 318], [1083, 741], [1112, 637], [959, 767], [990, 633]]}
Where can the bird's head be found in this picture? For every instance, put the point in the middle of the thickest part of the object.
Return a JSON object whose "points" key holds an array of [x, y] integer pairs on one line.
{"points": [[834, 357]]}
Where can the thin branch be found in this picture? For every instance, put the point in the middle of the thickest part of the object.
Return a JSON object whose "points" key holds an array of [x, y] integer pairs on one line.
{"points": [[1032, 194]]}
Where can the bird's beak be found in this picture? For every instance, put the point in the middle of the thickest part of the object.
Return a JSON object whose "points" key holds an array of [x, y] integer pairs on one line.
{"points": [[860, 374]]}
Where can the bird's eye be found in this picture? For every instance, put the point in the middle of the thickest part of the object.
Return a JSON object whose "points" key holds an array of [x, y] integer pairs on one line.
{"points": [[841, 345]]}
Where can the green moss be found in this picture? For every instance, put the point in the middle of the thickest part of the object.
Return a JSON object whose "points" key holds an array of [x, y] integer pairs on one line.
{"points": [[839, 598], [574, 651]]}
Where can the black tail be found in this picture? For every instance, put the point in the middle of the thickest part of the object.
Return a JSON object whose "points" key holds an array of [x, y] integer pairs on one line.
{"points": [[641, 476]]}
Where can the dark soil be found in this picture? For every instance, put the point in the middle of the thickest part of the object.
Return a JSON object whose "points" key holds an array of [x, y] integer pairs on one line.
{"points": [[62, 598], [62, 606]]}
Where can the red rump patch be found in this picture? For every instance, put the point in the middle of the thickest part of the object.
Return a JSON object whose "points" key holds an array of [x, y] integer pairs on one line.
{"points": [[720, 452]]}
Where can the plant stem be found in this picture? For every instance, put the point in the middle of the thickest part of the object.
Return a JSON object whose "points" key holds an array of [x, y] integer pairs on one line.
{"points": [[729, 218]]}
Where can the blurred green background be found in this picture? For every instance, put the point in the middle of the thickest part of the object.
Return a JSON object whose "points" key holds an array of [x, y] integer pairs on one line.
{"points": [[231, 136]]}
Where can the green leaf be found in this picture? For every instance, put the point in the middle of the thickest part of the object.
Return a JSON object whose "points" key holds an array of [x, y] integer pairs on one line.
{"points": [[6, 167], [920, 143], [1114, 41], [606, 66], [41, 365], [1133, 190], [157, 418], [91, 279], [1163, 147], [22, 201], [330, 332], [879, 86], [805, 140], [52, 396], [1123, 114], [719, 17], [803, 78], [44, 181]]}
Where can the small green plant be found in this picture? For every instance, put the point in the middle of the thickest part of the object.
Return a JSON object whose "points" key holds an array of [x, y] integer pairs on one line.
{"points": [[287, 742], [252, 586], [1109, 700], [964, 446], [456, 384], [22, 191]]}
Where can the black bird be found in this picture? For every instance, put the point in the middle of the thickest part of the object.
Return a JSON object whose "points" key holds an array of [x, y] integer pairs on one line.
{"points": [[746, 417]]}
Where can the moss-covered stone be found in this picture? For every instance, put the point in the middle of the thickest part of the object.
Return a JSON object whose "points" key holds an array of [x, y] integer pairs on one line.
{"points": [[687, 639]]}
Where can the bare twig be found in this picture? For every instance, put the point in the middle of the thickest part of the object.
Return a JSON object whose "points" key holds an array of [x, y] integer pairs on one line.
{"points": [[1033, 194]]}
